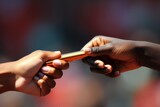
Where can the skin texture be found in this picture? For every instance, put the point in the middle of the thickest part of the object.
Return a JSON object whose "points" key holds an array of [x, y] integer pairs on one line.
{"points": [[112, 56], [29, 74]]}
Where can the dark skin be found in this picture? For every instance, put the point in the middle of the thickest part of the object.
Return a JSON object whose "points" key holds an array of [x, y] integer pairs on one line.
{"points": [[112, 56]]}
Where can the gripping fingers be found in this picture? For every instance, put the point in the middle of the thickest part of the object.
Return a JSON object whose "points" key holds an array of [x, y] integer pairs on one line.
{"points": [[44, 88], [61, 64], [106, 70], [52, 72], [98, 65], [91, 61], [50, 82], [102, 65]]}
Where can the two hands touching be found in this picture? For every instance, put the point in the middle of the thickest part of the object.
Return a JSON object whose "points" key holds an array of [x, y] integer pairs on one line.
{"points": [[107, 55]]}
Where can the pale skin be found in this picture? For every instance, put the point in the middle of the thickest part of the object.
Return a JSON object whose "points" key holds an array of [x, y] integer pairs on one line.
{"points": [[29, 74], [112, 56]]}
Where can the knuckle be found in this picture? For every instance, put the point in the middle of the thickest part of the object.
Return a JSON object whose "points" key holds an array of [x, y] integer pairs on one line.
{"points": [[56, 73], [39, 53], [66, 66], [94, 38], [41, 81], [98, 37], [52, 70], [45, 77], [53, 84], [60, 74]]}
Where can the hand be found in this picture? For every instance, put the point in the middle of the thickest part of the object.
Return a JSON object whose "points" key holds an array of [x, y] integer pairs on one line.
{"points": [[109, 54], [32, 78]]}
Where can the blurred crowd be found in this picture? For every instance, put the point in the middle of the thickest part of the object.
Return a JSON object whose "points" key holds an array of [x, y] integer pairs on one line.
{"points": [[67, 25]]}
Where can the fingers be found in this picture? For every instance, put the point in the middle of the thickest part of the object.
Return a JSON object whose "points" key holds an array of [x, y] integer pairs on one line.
{"points": [[96, 41], [61, 64], [42, 84], [102, 67], [49, 81], [99, 45], [52, 72], [107, 70], [100, 50], [45, 77], [104, 71], [55, 70]]}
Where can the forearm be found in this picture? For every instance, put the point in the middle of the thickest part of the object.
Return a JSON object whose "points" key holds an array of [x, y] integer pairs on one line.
{"points": [[6, 77], [150, 56]]}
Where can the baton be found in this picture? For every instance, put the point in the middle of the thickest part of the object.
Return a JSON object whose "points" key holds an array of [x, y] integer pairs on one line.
{"points": [[72, 56]]}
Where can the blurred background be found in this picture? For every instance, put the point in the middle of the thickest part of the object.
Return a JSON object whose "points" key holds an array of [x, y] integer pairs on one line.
{"points": [[67, 25]]}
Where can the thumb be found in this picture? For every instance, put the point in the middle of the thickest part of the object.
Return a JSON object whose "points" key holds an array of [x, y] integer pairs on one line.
{"points": [[100, 50], [49, 55]]}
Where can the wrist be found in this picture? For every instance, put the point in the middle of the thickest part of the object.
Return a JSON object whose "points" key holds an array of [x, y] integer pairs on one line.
{"points": [[7, 77]]}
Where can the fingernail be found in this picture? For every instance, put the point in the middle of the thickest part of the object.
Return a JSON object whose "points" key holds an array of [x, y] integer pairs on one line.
{"points": [[57, 52], [45, 69], [87, 50], [109, 67], [57, 62], [100, 64], [107, 71]]}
